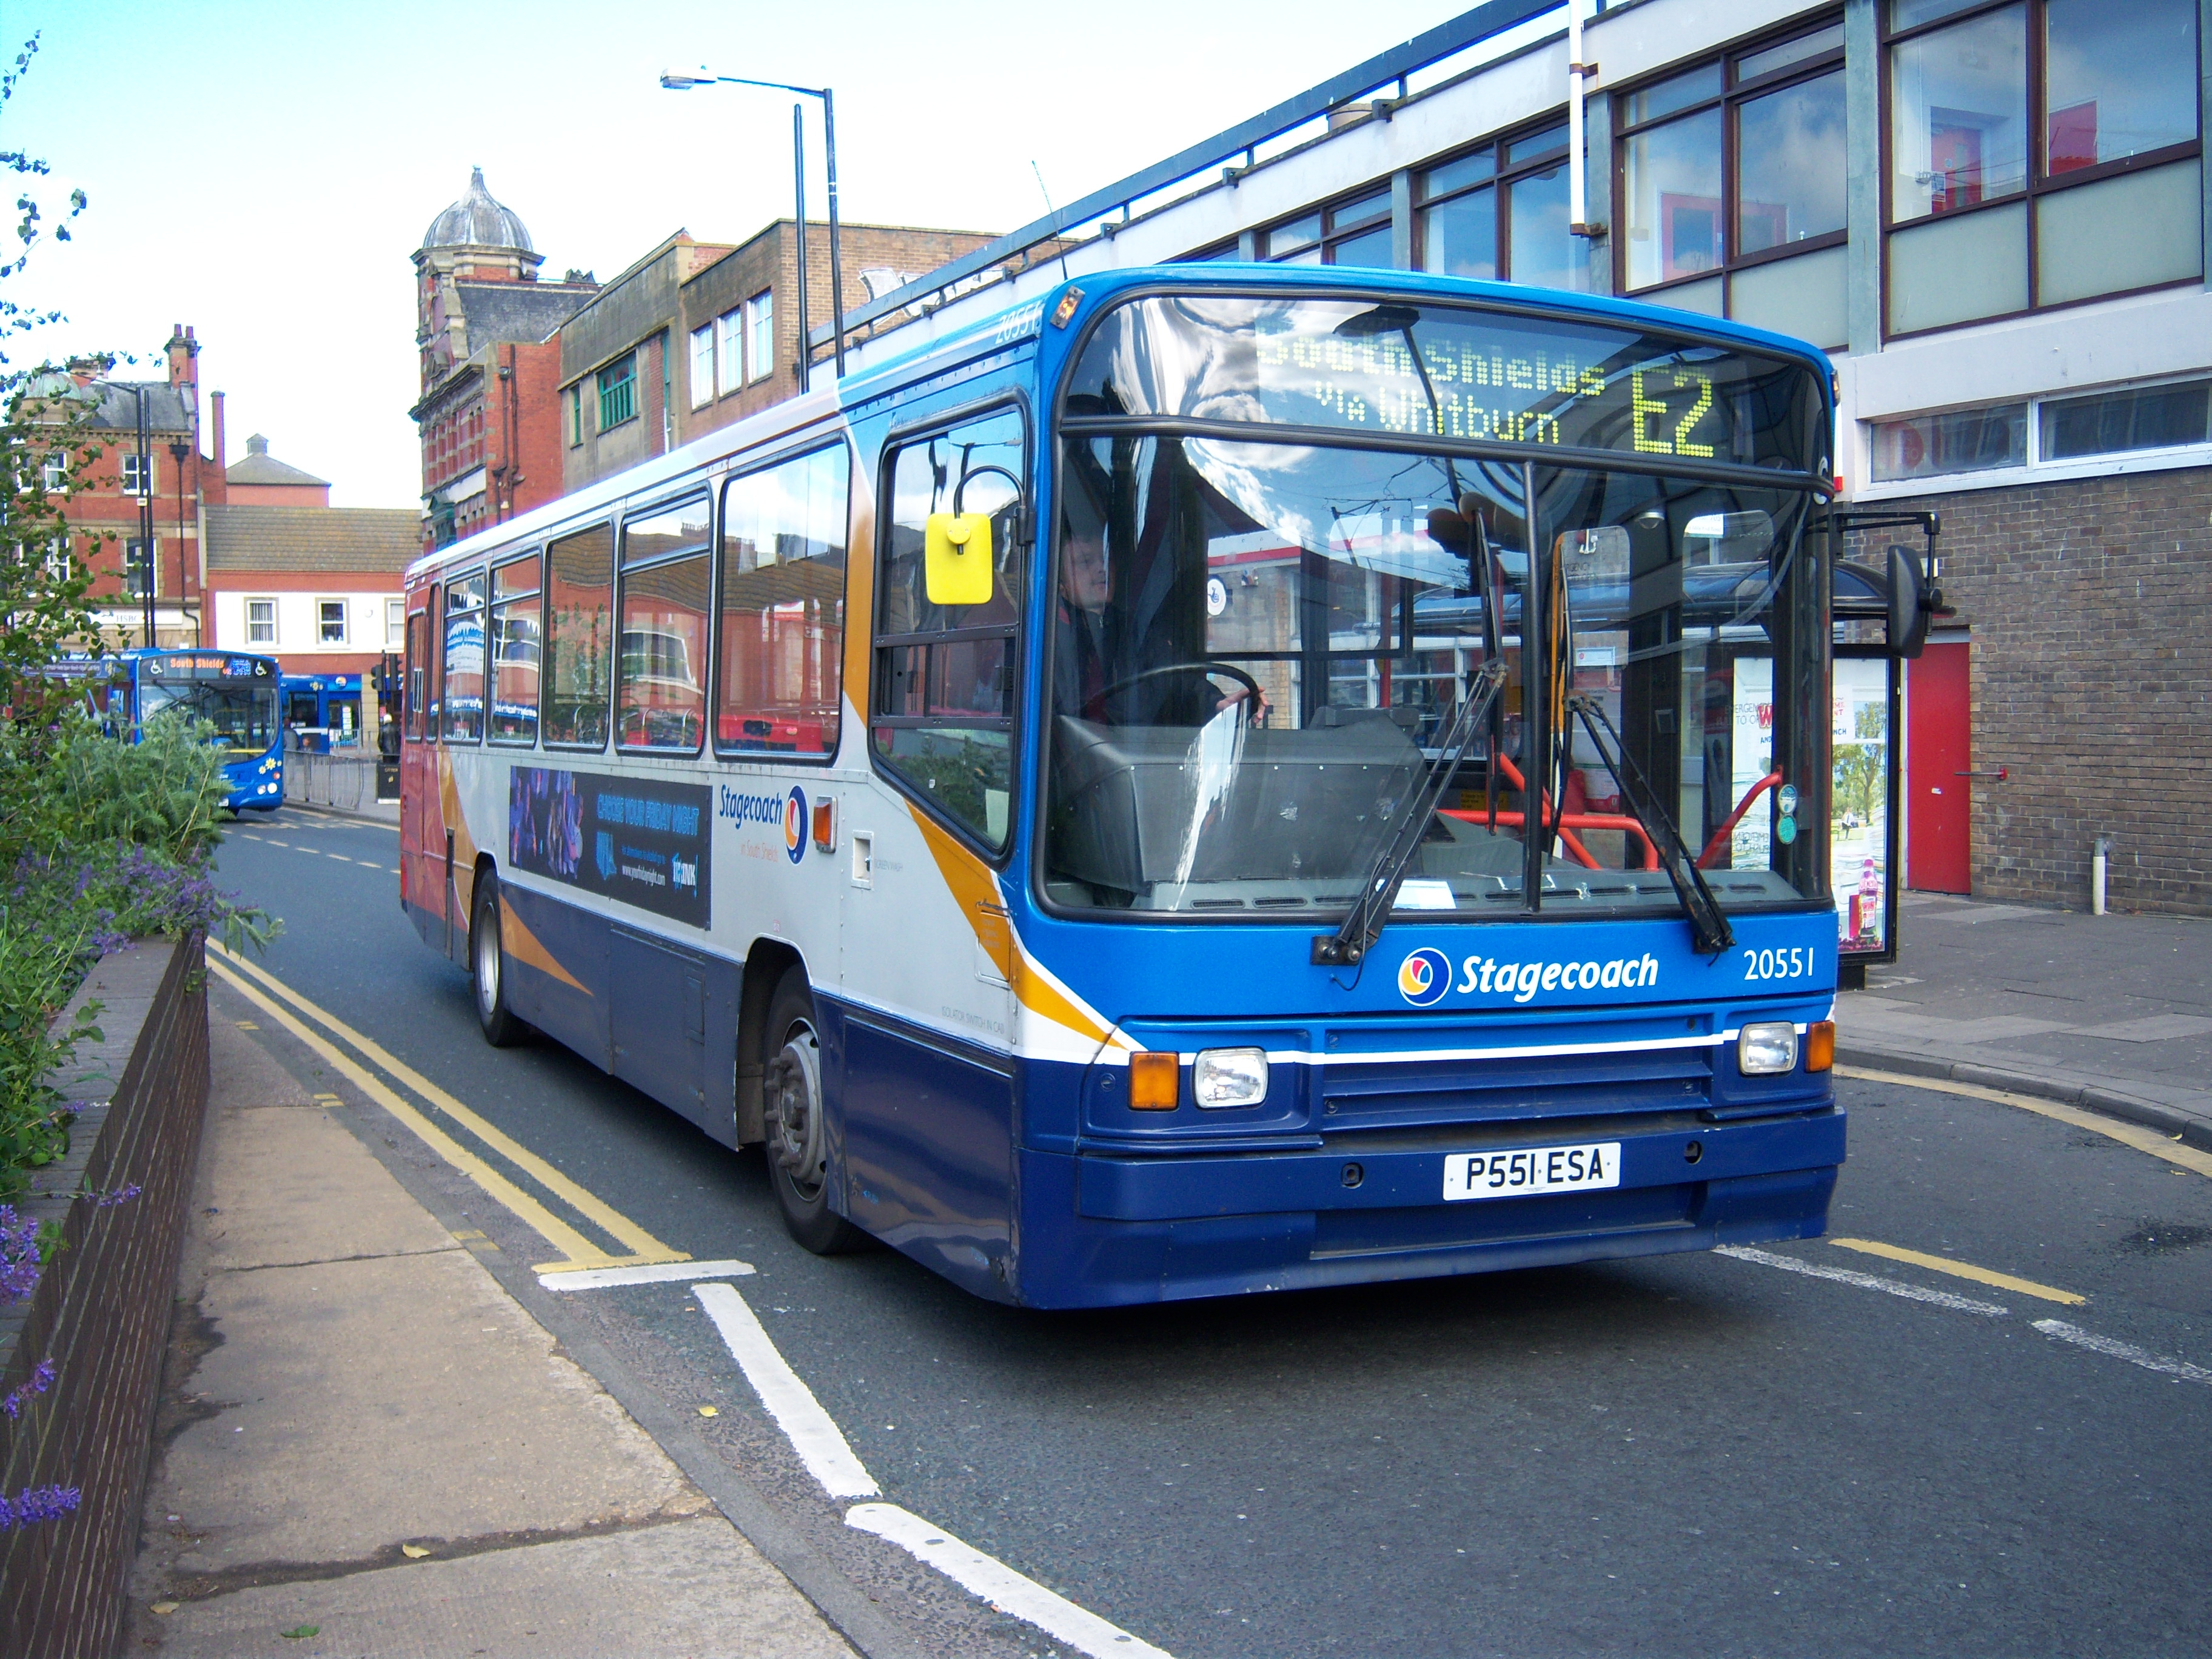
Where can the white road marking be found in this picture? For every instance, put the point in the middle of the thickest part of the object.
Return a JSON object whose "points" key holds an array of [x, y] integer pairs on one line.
{"points": [[1009, 1591], [340, 857], [273, 842], [659, 1273], [1864, 1281], [814, 1435], [2127, 1350]]}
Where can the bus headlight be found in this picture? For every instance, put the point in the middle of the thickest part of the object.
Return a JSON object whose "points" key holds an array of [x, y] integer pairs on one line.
{"points": [[1230, 1077], [1766, 1048]]}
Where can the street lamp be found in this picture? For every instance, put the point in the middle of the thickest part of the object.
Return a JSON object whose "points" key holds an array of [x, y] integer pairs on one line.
{"points": [[674, 81]]}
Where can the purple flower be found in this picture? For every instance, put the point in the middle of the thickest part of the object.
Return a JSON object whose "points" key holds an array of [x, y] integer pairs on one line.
{"points": [[36, 1503], [18, 1255], [41, 1380]]}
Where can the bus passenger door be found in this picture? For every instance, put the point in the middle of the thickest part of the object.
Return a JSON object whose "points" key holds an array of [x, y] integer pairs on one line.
{"points": [[926, 1081]]}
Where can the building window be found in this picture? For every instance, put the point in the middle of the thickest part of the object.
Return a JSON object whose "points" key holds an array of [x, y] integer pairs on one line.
{"points": [[330, 621], [2128, 422], [1498, 213], [261, 622], [729, 350], [1356, 231], [55, 466], [2041, 152], [618, 392], [138, 474], [576, 415], [1730, 181], [760, 336], [140, 570], [395, 624], [1228, 250], [702, 366]]}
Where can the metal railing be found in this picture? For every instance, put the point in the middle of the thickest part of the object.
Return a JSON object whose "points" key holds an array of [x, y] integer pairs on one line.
{"points": [[348, 783]]}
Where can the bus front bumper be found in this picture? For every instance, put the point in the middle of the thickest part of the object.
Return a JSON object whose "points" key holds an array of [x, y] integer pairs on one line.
{"points": [[1158, 1227]]}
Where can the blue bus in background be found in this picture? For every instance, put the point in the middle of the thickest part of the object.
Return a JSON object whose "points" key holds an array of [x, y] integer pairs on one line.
{"points": [[324, 709], [234, 690]]}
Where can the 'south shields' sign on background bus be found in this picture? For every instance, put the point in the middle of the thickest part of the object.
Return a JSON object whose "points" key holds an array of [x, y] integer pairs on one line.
{"points": [[638, 840]]}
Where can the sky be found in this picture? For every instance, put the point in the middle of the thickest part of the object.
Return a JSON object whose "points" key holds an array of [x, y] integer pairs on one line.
{"points": [[263, 171]]}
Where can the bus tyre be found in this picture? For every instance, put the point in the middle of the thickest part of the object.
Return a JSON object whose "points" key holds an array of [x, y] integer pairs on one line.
{"points": [[487, 967], [797, 1147]]}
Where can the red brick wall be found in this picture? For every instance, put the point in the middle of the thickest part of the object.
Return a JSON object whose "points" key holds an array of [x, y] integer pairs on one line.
{"points": [[2090, 607], [100, 1313]]}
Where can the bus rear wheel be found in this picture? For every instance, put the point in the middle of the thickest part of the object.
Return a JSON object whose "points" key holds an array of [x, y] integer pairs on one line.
{"points": [[798, 1143], [502, 1028]]}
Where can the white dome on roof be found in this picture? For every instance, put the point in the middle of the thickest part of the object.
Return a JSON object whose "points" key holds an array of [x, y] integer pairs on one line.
{"points": [[478, 221]]}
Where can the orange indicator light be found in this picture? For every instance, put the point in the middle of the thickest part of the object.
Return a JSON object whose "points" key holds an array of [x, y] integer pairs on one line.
{"points": [[1155, 1083], [1819, 1045]]}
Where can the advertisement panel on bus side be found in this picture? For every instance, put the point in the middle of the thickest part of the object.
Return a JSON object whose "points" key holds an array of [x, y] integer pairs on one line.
{"points": [[642, 840]]}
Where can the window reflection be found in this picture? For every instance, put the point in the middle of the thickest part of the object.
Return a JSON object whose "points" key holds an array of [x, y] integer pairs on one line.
{"points": [[1790, 173], [1958, 115], [2120, 80]]}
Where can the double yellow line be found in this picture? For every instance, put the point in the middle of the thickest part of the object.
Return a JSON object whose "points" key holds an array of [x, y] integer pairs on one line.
{"points": [[269, 994]]}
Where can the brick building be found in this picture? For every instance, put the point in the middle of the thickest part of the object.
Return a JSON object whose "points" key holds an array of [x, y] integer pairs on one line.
{"points": [[262, 480], [105, 513], [318, 587], [1991, 213], [695, 335], [484, 324]]}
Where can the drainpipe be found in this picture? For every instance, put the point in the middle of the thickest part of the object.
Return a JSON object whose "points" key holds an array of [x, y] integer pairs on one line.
{"points": [[2100, 859]]}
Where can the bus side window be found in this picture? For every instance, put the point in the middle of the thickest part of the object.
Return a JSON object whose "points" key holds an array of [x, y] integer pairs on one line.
{"points": [[514, 646], [665, 552], [577, 667], [434, 667], [782, 625], [412, 687], [943, 699], [462, 690]]}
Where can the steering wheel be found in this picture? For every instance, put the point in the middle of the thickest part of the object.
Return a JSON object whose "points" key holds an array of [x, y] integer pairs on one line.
{"points": [[1254, 698]]}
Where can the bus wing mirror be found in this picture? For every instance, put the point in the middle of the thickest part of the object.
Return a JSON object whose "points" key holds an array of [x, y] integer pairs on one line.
{"points": [[1912, 602], [956, 558]]}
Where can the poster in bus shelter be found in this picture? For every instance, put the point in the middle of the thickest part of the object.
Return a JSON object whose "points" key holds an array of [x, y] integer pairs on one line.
{"points": [[1858, 822], [641, 841]]}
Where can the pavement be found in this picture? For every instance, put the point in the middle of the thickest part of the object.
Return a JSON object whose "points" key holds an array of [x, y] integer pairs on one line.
{"points": [[368, 1446], [2111, 1013]]}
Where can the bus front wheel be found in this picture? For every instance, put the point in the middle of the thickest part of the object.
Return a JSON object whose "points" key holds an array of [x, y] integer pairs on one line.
{"points": [[488, 966], [797, 1146]]}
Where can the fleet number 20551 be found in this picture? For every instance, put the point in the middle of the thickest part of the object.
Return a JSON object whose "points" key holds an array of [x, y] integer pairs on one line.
{"points": [[1795, 962]]}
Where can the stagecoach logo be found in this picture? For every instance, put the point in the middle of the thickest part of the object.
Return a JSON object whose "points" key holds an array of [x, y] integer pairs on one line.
{"points": [[795, 824], [1424, 977]]}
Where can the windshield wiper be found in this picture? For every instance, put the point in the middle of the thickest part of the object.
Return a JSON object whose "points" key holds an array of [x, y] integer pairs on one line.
{"points": [[1364, 925], [1710, 932]]}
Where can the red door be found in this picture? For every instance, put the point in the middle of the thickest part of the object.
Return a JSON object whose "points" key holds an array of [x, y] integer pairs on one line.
{"points": [[1938, 754]]}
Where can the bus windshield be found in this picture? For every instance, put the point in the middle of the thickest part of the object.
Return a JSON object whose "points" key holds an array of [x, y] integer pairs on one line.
{"points": [[1258, 643], [244, 714]]}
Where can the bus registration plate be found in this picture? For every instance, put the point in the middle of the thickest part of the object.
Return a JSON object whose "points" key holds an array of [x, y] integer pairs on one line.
{"points": [[1533, 1170]]}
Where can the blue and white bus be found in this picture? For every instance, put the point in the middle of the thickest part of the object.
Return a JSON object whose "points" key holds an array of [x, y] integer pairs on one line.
{"points": [[235, 691], [1224, 779]]}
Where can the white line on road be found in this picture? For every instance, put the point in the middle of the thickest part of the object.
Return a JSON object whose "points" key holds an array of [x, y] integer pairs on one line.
{"points": [[340, 857], [2127, 1350], [814, 1435], [1864, 1281], [659, 1273], [1009, 1591]]}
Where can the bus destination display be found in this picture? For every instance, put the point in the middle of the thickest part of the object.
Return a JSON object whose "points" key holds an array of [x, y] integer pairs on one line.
{"points": [[1450, 370]]}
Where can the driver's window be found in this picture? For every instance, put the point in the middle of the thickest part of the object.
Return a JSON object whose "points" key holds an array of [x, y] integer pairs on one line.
{"points": [[943, 705]]}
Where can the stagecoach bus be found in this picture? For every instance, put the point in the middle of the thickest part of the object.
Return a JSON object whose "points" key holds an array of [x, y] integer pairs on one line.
{"points": [[1224, 777], [234, 691]]}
